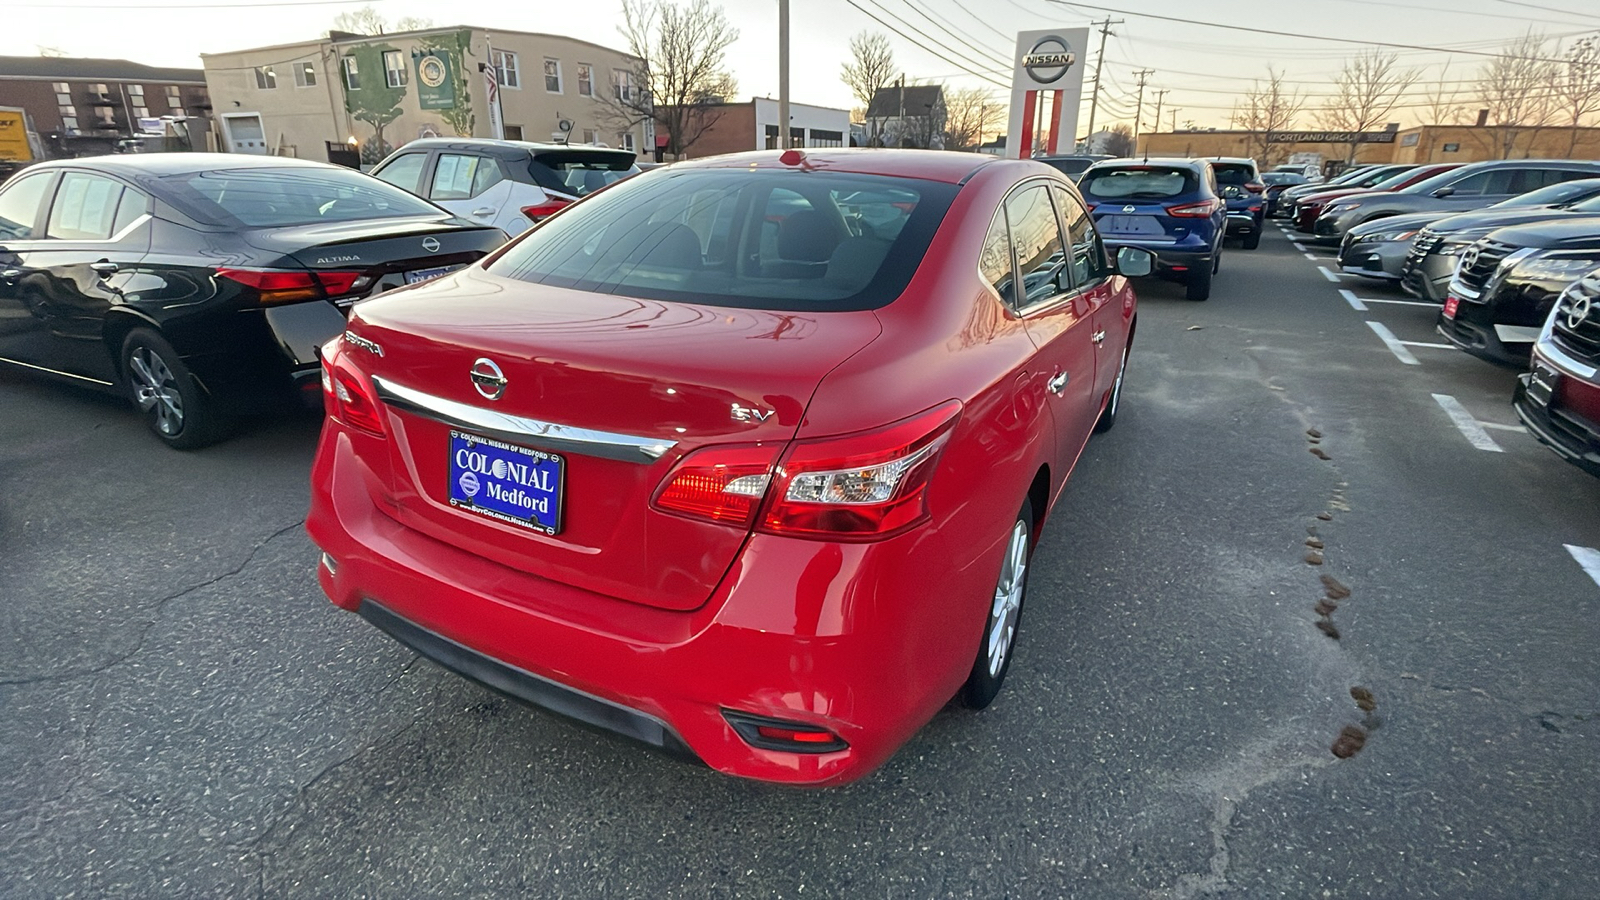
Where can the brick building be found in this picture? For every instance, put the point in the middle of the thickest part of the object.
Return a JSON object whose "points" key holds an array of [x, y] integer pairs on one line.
{"points": [[83, 107], [738, 127]]}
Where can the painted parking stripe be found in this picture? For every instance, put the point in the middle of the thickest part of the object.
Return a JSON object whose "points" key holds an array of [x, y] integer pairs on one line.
{"points": [[1354, 301], [1393, 343], [1426, 344], [1329, 274], [1588, 558], [1466, 424], [1299, 246], [1498, 427], [1312, 256], [1400, 302]]}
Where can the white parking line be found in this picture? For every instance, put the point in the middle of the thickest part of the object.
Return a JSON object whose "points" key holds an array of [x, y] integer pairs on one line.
{"points": [[1498, 427], [1351, 298], [1426, 344], [1312, 257], [1393, 343], [1588, 558], [1401, 302], [1299, 246], [1328, 273], [1466, 424]]}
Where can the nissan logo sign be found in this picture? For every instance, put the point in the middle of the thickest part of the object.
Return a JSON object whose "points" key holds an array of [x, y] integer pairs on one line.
{"points": [[1049, 60], [430, 244]]}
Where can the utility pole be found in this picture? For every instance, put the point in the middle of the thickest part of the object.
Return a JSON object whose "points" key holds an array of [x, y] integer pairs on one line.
{"points": [[1160, 96], [1138, 116], [1094, 99], [783, 74], [1174, 113]]}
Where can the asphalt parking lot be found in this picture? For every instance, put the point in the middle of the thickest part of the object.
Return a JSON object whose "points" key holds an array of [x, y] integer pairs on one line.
{"points": [[187, 716]]}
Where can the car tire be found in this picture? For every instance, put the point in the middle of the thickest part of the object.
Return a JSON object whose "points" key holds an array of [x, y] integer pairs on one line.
{"points": [[1108, 416], [1002, 616], [166, 393], [1252, 240], [1198, 286]]}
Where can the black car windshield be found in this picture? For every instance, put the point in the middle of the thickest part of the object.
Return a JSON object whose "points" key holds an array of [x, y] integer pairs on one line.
{"points": [[737, 237], [1552, 194], [272, 197], [1138, 183], [1233, 173], [580, 172]]}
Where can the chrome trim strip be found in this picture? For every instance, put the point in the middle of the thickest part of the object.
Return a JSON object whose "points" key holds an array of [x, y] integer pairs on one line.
{"points": [[1557, 356], [18, 362], [516, 429]]}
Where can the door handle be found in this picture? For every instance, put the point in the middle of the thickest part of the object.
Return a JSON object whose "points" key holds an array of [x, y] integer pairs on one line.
{"points": [[10, 274], [1058, 384], [103, 268], [1098, 336], [484, 211]]}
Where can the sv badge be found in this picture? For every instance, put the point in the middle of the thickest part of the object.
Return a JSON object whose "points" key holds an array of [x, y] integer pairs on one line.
{"points": [[747, 414]]}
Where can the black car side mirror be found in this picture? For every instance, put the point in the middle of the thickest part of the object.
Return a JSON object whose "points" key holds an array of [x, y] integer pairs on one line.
{"points": [[1135, 262]]}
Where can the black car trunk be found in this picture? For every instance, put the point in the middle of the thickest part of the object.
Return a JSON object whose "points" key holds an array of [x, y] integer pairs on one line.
{"points": [[385, 253]]}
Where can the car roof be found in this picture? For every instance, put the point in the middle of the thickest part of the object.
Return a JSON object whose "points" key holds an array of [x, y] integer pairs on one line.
{"points": [[1235, 160], [505, 149], [1580, 164], [1198, 165], [930, 165], [158, 164]]}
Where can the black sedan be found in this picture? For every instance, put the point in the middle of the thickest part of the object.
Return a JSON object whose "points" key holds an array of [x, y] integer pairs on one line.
{"points": [[201, 285]]}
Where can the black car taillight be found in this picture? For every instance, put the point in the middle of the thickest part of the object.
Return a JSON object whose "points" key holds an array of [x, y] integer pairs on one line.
{"points": [[273, 286]]}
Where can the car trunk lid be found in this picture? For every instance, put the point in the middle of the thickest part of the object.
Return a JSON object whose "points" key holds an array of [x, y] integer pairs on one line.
{"points": [[617, 390], [385, 253]]}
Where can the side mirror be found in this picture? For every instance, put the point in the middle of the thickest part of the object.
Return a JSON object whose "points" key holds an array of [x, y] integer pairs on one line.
{"points": [[1443, 192], [1135, 262]]}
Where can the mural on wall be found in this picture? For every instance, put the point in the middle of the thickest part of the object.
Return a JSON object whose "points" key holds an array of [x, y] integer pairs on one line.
{"points": [[369, 97], [449, 50]]}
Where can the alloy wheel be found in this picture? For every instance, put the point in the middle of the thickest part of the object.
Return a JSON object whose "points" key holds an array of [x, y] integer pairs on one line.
{"points": [[155, 389], [1008, 599]]}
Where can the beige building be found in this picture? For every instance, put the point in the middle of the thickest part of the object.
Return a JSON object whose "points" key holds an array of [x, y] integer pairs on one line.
{"points": [[381, 91], [1422, 144]]}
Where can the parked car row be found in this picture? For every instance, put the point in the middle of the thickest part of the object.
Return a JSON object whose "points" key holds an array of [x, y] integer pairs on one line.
{"points": [[1517, 278]]}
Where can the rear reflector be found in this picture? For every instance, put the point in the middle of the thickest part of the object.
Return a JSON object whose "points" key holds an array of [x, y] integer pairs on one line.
{"points": [[782, 735]]}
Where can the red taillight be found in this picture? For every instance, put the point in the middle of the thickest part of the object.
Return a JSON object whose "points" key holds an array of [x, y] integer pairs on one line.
{"points": [[722, 484], [347, 393], [1091, 206], [290, 285], [1193, 210], [783, 735], [862, 486], [541, 211], [1255, 209]]}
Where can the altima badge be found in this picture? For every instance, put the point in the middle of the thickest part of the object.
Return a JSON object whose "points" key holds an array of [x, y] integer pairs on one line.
{"points": [[488, 379], [747, 414]]}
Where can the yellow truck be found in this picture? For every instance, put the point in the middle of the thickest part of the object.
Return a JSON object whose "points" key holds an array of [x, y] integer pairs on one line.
{"points": [[16, 150]]}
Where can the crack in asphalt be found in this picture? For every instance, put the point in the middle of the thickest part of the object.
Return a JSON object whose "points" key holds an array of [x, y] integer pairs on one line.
{"points": [[159, 610]]}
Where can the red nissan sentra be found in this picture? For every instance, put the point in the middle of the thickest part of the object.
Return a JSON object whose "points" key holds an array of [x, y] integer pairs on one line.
{"points": [[744, 458]]}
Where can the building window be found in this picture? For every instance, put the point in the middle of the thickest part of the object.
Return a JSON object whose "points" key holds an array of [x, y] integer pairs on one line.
{"points": [[305, 74], [622, 84], [61, 87], [797, 137], [1451, 148], [772, 137], [352, 74], [585, 80], [552, 75], [394, 69], [266, 79], [513, 132], [141, 112], [625, 141], [63, 99], [70, 123], [590, 135], [505, 68], [820, 138], [136, 91]]}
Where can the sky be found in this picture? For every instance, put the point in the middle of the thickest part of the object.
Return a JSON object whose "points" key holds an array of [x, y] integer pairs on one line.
{"points": [[962, 43]]}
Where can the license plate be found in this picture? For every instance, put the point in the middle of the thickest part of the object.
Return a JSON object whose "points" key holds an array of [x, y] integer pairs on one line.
{"points": [[416, 275], [1542, 384], [1134, 225], [513, 484], [1451, 304]]}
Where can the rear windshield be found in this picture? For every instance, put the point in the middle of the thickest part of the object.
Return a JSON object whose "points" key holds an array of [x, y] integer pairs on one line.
{"points": [[1068, 165], [1139, 183], [1233, 173], [265, 198], [760, 239], [1283, 178], [580, 173]]}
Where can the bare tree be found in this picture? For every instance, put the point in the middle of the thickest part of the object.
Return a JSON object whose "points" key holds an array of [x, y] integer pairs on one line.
{"points": [[1119, 140], [1366, 91], [678, 78], [365, 20], [1264, 111], [968, 115], [870, 69], [1515, 89], [51, 52], [1577, 86], [1441, 106]]}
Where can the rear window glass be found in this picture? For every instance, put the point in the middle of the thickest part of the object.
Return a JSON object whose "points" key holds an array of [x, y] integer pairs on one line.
{"points": [[1283, 178], [1233, 173], [756, 239], [267, 198], [579, 173], [1068, 166], [1143, 183]]}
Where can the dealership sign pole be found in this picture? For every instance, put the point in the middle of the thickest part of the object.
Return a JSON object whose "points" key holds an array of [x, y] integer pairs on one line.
{"points": [[1046, 62]]}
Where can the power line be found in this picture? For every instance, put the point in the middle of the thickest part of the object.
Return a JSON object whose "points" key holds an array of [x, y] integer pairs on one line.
{"points": [[984, 22], [1550, 9], [913, 41], [985, 53], [1268, 31]]}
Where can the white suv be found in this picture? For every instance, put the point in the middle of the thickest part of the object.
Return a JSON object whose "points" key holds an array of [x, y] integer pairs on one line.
{"points": [[509, 184]]}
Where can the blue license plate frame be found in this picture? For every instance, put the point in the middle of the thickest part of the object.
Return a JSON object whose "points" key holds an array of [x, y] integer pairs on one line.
{"points": [[417, 276], [508, 483]]}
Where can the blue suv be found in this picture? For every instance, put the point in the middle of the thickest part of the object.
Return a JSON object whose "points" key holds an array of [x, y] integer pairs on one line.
{"points": [[1167, 206]]}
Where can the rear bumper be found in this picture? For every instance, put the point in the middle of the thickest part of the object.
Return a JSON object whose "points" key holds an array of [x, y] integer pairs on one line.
{"points": [[1172, 259], [868, 641], [270, 362], [1242, 222]]}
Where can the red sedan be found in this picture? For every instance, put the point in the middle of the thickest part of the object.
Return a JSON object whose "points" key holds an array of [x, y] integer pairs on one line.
{"points": [[744, 458]]}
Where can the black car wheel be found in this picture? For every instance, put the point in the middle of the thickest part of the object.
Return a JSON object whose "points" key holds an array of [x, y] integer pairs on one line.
{"points": [[1252, 240], [1108, 416], [1004, 616], [164, 390], [1198, 286]]}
